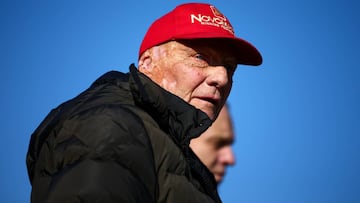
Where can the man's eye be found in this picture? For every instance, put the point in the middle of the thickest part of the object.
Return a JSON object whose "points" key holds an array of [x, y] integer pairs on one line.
{"points": [[200, 57]]}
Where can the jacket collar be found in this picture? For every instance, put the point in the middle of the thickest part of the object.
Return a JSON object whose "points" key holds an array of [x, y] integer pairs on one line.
{"points": [[178, 118]]}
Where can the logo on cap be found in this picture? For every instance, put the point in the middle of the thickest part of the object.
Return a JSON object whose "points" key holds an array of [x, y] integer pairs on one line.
{"points": [[217, 19], [217, 13]]}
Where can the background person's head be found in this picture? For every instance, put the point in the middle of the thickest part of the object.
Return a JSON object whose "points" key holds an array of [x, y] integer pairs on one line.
{"points": [[214, 146], [193, 52]]}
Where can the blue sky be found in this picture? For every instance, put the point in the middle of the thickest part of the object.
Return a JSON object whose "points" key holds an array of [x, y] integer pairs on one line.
{"points": [[296, 117]]}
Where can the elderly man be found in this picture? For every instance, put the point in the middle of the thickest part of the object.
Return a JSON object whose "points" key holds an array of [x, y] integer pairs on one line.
{"points": [[214, 146], [126, 138]]}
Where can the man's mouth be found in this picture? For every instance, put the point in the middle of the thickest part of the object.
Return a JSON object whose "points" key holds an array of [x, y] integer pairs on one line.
{"points": [[213, 100]]}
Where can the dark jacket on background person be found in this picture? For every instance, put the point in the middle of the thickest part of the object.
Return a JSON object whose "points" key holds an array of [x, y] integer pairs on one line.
{"points": [[125, 139]]}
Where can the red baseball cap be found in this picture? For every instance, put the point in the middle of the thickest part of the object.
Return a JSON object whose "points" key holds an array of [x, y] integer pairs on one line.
{"points": [[199, 21]]}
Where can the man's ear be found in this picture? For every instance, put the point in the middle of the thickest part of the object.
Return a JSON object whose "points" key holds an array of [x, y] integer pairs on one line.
{"points": [[145, 65]]}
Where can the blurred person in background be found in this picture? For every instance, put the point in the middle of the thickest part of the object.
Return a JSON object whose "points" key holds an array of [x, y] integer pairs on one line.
{"points": [[214, 146]]}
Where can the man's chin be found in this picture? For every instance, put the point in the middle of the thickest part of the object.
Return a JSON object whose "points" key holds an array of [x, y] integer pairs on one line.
{"points": [[218, 179], [208, 108]]}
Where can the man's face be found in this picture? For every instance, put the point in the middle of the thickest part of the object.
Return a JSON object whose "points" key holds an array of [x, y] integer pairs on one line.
{"points": [[199, 72], [213, 147]]}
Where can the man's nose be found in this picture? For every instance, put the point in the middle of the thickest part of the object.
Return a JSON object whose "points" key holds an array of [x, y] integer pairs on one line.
{"points": [[218, 76], [227, 156]]}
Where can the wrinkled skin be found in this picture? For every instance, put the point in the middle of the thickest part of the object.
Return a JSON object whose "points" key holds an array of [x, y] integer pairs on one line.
{"points": [[198, 71]]}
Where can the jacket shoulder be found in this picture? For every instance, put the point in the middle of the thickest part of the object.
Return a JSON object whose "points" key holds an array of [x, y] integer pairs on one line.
{"points": [[106, 137]]}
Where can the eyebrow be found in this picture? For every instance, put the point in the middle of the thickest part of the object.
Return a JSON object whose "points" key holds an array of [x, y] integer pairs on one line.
{"points": [[219, 138]]}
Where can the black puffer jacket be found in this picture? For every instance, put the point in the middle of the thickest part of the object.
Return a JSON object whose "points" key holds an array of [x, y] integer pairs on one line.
{"points": [[124, 139]]}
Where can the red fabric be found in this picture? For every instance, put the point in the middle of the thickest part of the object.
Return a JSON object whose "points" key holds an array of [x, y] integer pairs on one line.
{"points": [[195, 21]]}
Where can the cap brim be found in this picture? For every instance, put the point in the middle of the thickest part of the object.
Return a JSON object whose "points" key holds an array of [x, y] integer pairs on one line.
{"points": [[247, 54], [244, 51]]}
